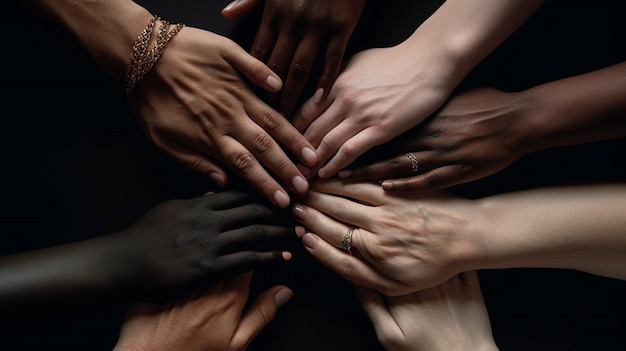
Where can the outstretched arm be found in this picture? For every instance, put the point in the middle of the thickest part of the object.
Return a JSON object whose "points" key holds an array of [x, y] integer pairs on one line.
{"points": [[481, 131], [194, 102], [403, 243], [384, 92], [178, 246]]}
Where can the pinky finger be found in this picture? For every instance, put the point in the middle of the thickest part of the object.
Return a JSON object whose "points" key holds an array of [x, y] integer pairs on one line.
{"points": [[259, 315]]}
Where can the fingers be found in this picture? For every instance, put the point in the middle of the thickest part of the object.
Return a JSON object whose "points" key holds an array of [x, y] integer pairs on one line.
{"points": [[283, 131], [259, 315], [248, 167], [347, 266], [397, 167], [223, 200], [244, 261], [310, 111], [253, 69], [250, 214], [347, 152], [436, 179], [298, 75], [332, 62], [255, 237], [327, 227], [364, 192], [239, 8]]}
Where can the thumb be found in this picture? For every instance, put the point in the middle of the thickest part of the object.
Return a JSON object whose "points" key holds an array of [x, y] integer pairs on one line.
{"points": [[375, 306], [260, 314]]}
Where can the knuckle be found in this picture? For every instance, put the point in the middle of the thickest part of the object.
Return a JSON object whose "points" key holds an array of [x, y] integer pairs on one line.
{"points": [[299, 70], [271, 120], [278, 67], [259, 50], [195, 164], [431, 178], [244, 162], [349, 150], [263, 143]]}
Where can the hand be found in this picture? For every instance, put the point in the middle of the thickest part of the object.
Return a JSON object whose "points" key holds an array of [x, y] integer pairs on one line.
{"points": [[476, 134], [186, 244], [216, 320], [195, 106], [291, 35], [400, 244], [451, 316], [380, 94]]}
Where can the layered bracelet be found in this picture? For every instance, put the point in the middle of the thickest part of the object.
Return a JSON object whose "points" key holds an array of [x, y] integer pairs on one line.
{"points": [[144, 55]]}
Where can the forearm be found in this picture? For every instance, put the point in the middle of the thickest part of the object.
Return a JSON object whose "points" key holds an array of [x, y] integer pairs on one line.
{"points": [[462, 33], [575, 227], [580, 109], [107, 29], [84, 271]]}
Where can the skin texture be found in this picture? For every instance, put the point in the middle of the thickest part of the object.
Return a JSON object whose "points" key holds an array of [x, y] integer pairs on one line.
{"points": [[404, 242], [451, 316], [195, 103], [216, 320], [179, 246], [384, 92], [293, 33], [481, 131]]}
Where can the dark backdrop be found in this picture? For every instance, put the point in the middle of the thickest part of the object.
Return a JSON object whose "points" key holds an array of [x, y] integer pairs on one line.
{"points": [[75, 164]]}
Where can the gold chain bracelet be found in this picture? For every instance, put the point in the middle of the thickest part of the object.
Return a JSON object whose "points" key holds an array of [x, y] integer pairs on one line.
{"points": [[143, 59]]}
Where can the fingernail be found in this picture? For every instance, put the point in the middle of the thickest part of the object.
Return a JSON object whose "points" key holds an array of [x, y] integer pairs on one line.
{"points": [[300, 231], [298, 211], [286, 255], [300, 185], [310, 241], [281, 198], [283, 296], [317, 97], [309, 156], [217, 178], [387, 185], [322, 173], [229, 6], [273, 82], [344, 174]]}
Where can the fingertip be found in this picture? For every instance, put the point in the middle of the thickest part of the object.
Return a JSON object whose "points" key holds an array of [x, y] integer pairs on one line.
{"points": [[218, 179], [346, 173], [309, 156], [310, 241], [300, 231], [274, 83], [281, 199], [286, 255], [282, 296], [387, 185]]}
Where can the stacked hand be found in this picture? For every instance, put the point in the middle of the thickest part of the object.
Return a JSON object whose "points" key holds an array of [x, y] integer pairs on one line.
{"points": [[293, 34], [197, 107], [477, 133], [215, 320], [400, 244], [451, 316]]}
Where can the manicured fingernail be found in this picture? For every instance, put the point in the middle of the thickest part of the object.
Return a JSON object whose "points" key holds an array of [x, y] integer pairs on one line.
{"points": [[283, 296], [229, 6], [286, 255], [217, 178], [309, 156], [273, 82], [387, 185], [300, 185], [281, 198], [298, 211], [317, 97], [300, 231], [345, 174], [322, 173], [309, 240]]}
